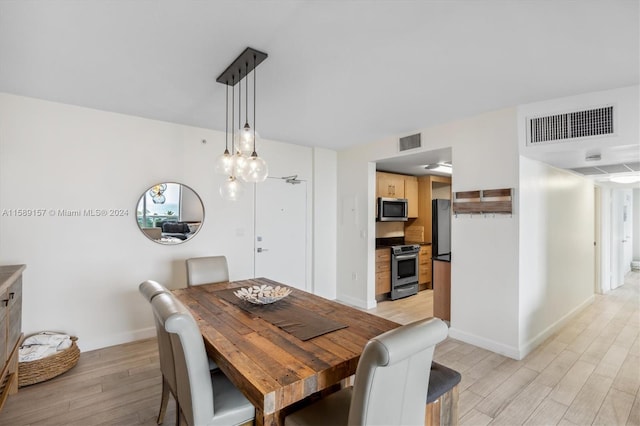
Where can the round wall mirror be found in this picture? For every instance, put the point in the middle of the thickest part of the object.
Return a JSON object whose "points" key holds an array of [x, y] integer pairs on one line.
{"points": [[169, 213]]}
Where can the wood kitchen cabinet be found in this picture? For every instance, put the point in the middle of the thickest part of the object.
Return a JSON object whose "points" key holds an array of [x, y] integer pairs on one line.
{"points": [[392, 185], [424, 265], [10, 328], [411, 194], [383, 271], [389, 185]]}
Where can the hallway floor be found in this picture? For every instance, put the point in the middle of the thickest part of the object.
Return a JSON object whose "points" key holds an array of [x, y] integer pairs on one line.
{"points": [[587, 373]]}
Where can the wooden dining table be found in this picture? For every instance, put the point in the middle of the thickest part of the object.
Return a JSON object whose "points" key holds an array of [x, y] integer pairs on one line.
{"points": [[274, 369]]}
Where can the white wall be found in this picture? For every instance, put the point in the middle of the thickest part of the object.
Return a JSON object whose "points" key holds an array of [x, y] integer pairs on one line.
{"points": [[484, 309], [325, 183], [83, 273], [556, 249], [636, 224]]}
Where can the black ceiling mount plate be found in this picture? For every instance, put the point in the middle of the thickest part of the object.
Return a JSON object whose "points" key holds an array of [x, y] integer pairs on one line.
{"points": [[242, 66]]}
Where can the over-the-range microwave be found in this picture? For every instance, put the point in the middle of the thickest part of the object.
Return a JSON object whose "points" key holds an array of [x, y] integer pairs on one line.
{"points": [[392, 209]]}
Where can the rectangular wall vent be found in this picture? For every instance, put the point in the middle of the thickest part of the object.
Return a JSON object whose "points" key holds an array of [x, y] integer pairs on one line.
{"points": [[578, 124], [409, 142]]}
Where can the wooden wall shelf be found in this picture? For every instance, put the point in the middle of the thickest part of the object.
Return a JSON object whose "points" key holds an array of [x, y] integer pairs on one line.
{"points": [[484, 201]]}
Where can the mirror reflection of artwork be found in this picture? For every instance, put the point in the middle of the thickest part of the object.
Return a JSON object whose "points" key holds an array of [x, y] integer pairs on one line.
{"points": [[170, 213]]}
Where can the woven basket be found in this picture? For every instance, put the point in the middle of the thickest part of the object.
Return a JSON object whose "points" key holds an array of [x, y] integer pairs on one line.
{"points": [[49, 367]]}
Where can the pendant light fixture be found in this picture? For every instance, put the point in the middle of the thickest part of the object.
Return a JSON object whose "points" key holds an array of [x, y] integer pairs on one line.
{"points": [[256, 169], [246, 135], [242, 161], [231, 189], [224, 163]]}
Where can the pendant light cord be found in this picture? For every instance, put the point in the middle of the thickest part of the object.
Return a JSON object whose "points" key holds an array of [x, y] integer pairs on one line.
{"points": [[254, 106], [246, 93], [233, 98], [226, 118], [239, 99]]}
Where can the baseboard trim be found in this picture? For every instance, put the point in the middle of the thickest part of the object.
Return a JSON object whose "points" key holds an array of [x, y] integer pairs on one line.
{"points": [[524, 349], [359, 303], [532, 343], [90, 344], [484, 343]]}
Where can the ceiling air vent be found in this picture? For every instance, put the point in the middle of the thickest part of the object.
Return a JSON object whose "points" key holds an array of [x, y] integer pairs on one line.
{"points": [[409, 142], [572, 125], [607, 169]]}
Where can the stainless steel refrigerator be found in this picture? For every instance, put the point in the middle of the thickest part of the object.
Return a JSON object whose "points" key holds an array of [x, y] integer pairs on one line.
{"points": [[441, 228]]}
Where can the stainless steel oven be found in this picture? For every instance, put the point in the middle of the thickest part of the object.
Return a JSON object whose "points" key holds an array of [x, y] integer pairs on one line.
{"points": [[404, 270]]}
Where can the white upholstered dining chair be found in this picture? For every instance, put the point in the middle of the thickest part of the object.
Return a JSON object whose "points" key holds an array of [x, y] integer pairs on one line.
{"points": [[390, 385], [205, 270], [205, 397], [149, 290]]}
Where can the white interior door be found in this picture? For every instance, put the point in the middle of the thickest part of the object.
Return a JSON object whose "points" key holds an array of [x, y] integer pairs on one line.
{"points": [[281, 232], [620, 236], [627, 231]]}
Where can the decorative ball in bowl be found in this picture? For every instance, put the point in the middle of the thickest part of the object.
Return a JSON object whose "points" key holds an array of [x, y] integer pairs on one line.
{"points": [[263, 294]]}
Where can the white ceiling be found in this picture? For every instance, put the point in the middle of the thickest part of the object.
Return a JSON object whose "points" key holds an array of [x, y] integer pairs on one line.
{"points": [[339, 73]]}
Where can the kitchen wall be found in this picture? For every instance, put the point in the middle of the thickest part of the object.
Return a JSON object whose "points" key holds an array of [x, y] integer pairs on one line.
{"points": [[556, 249], [484, 308], [389, 229], [83, 273]]}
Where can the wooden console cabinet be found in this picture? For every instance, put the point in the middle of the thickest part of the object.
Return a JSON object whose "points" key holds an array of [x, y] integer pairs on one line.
{"points": [[10, 328]]}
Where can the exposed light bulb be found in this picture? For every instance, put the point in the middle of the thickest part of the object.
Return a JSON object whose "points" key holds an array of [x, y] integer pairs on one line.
{"points": [[245, 139], [231, 189], [239, 164], [224, 164], [158, 199], [256, 169]]}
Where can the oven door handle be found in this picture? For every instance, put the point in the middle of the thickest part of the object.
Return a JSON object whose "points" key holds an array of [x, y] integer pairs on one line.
{"points": [[406, 256]]}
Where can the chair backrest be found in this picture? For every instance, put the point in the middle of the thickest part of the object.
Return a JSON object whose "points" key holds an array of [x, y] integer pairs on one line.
{"points": [[151, 289], [392, 376], [195, 392], [205, 270]]}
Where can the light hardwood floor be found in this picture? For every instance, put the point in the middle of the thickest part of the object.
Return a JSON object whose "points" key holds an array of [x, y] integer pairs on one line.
{"points": [[587, 373]]}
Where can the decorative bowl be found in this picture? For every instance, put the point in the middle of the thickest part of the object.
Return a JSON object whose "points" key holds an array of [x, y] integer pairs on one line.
{"points": [[263, 294]]}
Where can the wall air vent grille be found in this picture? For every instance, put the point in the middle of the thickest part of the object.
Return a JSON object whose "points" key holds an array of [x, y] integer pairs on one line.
{"points": [[573, 125], [409, 142]]}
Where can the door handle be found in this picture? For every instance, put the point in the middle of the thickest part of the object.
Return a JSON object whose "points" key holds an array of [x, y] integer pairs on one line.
{"points": [[260, 249]]}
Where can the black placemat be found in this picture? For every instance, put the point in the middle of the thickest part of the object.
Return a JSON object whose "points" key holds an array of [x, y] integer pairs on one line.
{"points": [[295, 320]]}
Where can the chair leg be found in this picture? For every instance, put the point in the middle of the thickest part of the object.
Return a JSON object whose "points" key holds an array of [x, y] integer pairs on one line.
{"points": [[164, 401], [444, 410], [178, 413]]}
